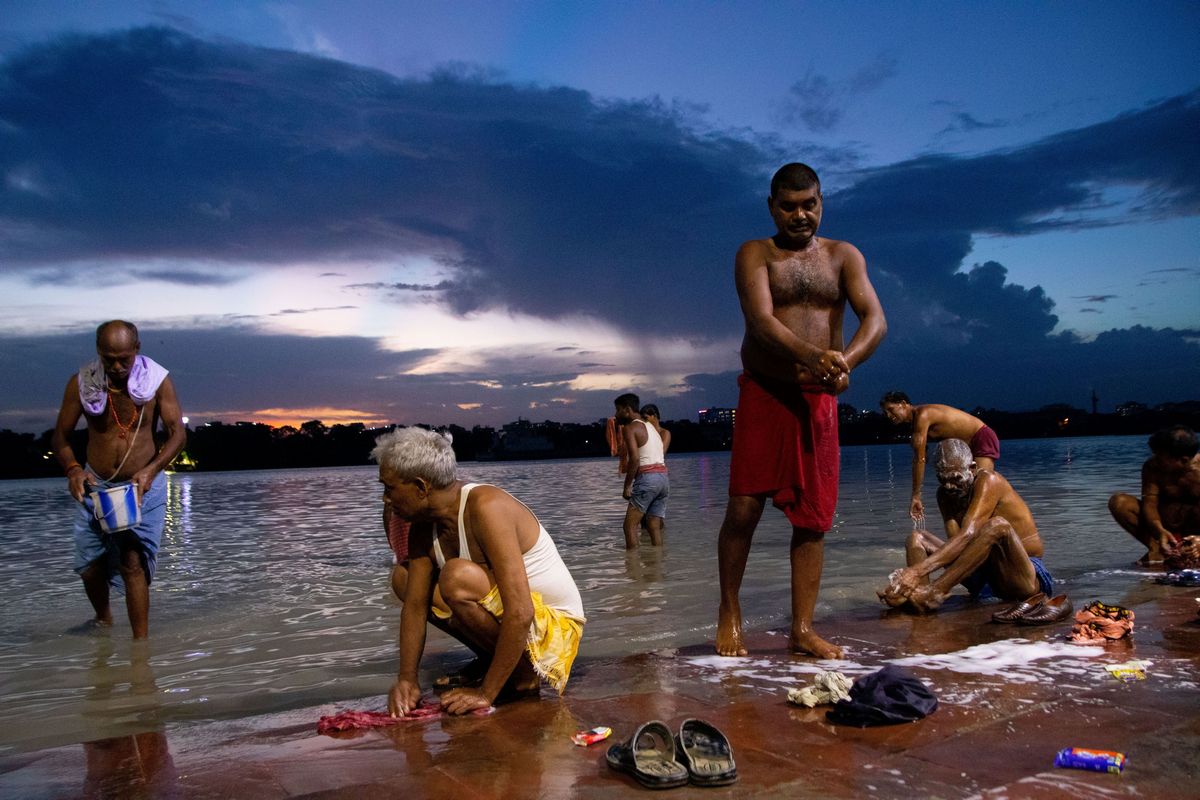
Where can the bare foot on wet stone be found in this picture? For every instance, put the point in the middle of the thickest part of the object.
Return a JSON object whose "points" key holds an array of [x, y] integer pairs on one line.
{"points": [[809, 644], [729, 635]]}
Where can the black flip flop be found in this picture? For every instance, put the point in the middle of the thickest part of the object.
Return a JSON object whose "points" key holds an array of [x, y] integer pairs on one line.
{"points": [[706, 754], [649, 756]]}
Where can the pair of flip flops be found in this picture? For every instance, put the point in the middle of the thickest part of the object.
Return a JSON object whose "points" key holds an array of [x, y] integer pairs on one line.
{"points": [[1037, 610], [699, 754]]}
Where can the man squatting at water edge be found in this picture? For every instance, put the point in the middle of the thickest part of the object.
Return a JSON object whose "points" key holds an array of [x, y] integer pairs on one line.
{"points": [[504, 589]]}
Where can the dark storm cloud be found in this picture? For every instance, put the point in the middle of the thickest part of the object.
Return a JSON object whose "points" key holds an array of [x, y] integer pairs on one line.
{"points": [[441, 286], [1095, 298], [231, 372], [818, 102], [155, 146], [292, 311], [187, 277], [1136, 363], [968, 123], [915, 220]]}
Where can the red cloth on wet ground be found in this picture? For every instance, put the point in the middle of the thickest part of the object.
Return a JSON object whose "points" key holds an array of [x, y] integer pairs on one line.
{"points": [[363, 720]]}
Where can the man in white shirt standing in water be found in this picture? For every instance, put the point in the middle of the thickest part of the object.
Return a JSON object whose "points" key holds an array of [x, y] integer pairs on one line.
{"points": [[646, 482]]}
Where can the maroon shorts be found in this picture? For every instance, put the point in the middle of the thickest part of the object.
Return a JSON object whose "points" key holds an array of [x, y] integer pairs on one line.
{"points": [[985, 443], [785, 446]]}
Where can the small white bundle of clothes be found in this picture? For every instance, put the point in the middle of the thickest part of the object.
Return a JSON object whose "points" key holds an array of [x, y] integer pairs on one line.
{"points": [[827, 687]]}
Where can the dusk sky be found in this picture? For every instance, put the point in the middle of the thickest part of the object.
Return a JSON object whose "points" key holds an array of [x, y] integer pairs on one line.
{"points": [[471, 212]]}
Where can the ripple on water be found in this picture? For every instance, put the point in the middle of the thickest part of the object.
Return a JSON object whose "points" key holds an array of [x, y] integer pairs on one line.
{"points": [[264, 599]]}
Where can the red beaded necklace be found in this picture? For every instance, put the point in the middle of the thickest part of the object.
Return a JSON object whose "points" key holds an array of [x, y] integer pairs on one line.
{"points": [[124, 428]]}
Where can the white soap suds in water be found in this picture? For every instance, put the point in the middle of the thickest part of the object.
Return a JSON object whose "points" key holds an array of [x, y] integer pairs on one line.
{"points": [[1011, 659]]}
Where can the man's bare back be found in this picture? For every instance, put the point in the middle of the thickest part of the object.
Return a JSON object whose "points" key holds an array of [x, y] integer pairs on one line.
{"points": [[945, 422], [931, 422]]}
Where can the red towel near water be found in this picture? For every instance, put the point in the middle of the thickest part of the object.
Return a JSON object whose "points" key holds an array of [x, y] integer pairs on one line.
{"points": [[616, 444], [362, 720], [785, 446]]}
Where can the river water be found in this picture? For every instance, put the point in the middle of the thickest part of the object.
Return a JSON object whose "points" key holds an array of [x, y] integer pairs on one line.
{"points": [[272, 587]]}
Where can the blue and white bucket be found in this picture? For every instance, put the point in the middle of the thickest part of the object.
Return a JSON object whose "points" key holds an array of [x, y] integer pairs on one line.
{"points": [[117, 508]]}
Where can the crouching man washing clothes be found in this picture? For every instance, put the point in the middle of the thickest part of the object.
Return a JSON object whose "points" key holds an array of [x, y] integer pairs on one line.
{"points": [[992, 542], [505, 589], [123, 395]]}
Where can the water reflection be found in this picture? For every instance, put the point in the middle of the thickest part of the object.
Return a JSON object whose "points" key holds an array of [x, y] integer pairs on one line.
{"points": [[130, 767], [645, 564], [272, 590], [139, 764]]}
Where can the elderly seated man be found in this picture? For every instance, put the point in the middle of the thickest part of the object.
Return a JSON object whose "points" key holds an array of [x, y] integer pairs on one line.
{"points": [[503, 588], [992, 542]]}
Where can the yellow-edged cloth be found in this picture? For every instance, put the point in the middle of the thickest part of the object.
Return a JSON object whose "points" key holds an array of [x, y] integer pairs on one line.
{"points": [[553, 640]]}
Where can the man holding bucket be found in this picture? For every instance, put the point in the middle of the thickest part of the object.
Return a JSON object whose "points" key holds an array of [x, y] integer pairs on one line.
{"points": [[121, 487]]}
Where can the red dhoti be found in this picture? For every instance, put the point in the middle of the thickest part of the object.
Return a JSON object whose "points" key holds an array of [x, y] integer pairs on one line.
{"points": [[785, 446]]}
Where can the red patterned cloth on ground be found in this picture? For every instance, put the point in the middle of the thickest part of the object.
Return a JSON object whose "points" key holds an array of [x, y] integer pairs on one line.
{"points": [[362, 720], [785, 446], [1099, 622]]}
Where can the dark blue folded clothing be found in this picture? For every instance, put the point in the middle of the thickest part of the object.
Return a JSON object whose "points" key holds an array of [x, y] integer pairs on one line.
{"points": [[887, 697], [1184, 577]]}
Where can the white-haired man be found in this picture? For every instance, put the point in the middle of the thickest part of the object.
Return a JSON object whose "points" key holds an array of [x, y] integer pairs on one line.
{"points": [[992, 542], [494, 566]]}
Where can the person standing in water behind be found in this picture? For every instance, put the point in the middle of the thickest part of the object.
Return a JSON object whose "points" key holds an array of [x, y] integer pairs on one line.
{"points": [[1169, 508], [651, 416], [793, 288], [933, 422], [646, 482], [123, 395], [508, 592]]}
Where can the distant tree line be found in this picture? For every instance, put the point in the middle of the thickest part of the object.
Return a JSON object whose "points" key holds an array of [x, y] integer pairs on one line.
{"points": [[248, 445]]}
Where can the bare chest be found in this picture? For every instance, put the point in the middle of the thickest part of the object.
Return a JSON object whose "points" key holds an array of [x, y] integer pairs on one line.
{"points": [[122, 418], [808, 278]]}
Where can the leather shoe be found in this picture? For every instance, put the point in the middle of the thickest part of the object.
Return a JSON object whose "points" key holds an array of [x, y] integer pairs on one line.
{"points": [[1055, 610], [1024, 607]]}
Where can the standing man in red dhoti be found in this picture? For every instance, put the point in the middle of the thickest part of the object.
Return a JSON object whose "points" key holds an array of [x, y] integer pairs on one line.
{"points": [[793, 288]]}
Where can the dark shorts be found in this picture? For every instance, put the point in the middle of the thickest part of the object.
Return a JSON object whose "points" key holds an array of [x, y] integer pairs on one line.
{"points": [[977, 582]]}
